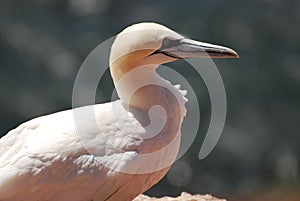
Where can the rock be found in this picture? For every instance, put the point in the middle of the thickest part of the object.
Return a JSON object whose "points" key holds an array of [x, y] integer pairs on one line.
{"points": [[183, 197]]}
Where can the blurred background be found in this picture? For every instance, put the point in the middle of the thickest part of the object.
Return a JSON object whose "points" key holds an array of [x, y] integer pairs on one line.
{"points": [[44, 42]]}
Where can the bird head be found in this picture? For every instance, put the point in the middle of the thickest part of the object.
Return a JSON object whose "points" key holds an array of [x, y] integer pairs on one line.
{"points": [[154, 44]]}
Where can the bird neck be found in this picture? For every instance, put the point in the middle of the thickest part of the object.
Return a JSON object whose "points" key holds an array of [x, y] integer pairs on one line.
{"points": [[136, 86], [141, 87]]}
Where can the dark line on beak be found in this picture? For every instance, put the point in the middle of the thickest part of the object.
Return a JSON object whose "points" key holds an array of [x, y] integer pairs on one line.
{"points": [[166, 54]]}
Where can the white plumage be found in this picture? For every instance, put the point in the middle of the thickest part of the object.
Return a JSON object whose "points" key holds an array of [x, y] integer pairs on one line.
{"points": [[119, 157]]}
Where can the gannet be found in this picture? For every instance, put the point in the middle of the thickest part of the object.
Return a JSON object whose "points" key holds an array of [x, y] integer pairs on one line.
{"points": [[123, 156]]}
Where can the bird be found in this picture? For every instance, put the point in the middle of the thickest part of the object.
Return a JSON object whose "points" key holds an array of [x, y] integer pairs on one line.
{"points": [[135, 139]]}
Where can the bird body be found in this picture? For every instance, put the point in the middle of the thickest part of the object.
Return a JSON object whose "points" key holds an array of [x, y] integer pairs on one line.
{"points": [[38, 159], [122, 154]]}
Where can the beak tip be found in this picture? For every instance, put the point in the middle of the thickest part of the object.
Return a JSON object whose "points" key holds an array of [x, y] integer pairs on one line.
{"points": [[236, 55], [233, 54]]}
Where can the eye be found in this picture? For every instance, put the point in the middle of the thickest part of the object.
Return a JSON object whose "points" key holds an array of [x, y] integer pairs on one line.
{"points": [[168, 43]]}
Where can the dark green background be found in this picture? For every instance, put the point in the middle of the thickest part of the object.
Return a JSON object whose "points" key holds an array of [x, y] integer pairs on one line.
{"points": [[44, 42]]}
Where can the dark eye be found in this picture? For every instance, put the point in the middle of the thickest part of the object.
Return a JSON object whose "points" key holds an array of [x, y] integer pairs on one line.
{"points": [[168, 43]]}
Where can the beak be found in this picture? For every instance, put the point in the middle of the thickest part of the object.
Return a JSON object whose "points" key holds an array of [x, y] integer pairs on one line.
{"points": [[187, 48]]}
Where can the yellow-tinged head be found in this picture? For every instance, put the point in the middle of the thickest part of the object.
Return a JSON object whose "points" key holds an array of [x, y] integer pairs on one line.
{"points": [[150, 43]]}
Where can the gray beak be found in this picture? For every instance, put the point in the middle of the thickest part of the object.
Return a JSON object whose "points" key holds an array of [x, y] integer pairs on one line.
{"points": [[187, 48]]}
